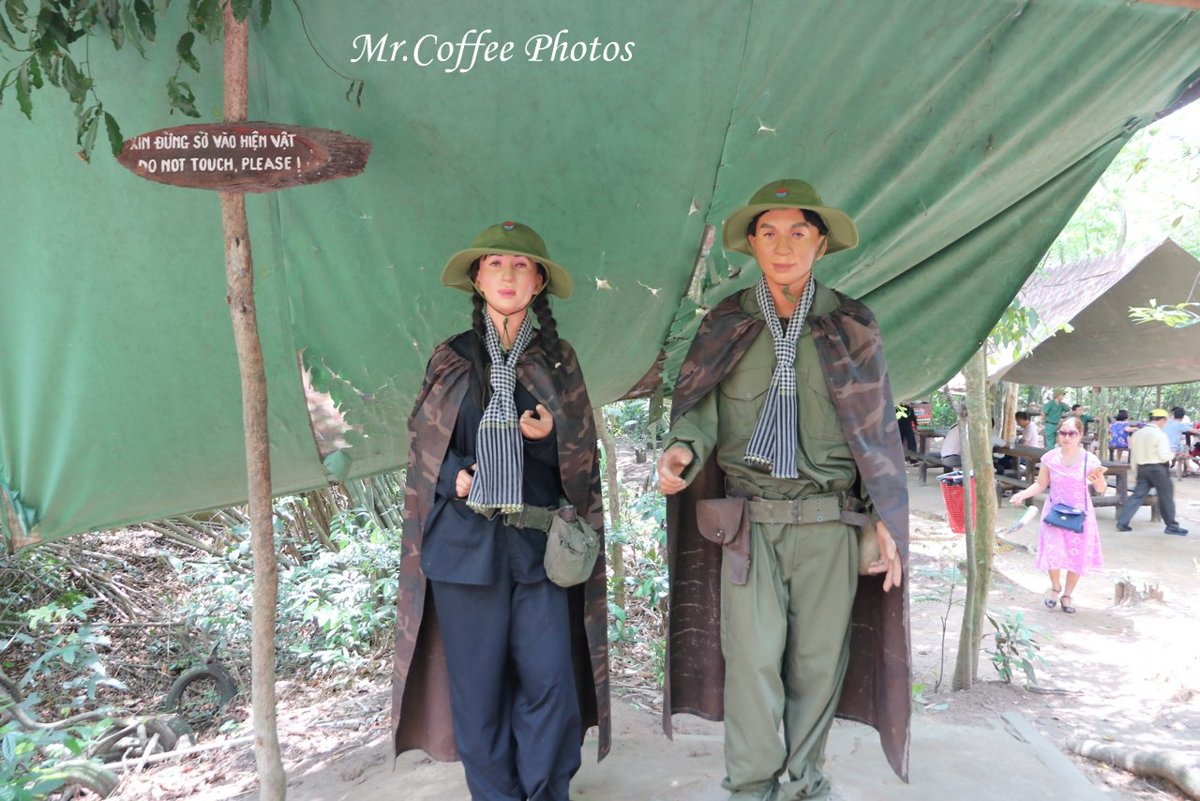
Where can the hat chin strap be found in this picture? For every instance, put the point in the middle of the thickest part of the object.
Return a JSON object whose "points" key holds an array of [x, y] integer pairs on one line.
{"points": [[524, 308]]}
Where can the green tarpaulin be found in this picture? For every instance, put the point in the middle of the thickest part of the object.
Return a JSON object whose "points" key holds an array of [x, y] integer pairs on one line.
{"points": [[960, 135]]}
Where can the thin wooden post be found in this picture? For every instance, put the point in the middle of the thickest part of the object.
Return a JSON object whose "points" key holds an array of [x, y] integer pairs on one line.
{"points": [[239, 275], [981, 529]]}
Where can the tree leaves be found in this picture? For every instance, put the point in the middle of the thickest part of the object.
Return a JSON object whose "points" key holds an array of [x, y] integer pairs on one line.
{"points": [[241, 9], [204, 17], [6, 35], [58, 24], [145, 18], [74, 81], [23, 85], [183, 49], [180, 97], [17, 14], [115, 140]]}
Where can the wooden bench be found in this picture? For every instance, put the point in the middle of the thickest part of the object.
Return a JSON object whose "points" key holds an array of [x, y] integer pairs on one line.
{"points": [[1117, 475], [1116, 501], [927, 460], [1004, 482]]}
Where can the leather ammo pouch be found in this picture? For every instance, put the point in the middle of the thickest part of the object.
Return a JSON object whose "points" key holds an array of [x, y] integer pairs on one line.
{"points": [[726, 521]]}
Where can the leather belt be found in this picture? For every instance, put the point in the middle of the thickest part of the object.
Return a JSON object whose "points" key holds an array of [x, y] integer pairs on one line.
{"points": [[537, 517], [833, 506], [812, 509]]}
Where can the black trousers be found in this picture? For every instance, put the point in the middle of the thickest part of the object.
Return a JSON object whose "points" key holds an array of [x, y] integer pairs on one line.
{"points": [[512, 687], [1157, 476]]}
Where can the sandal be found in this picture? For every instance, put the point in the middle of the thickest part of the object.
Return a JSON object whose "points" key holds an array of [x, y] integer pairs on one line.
{"points": [[1051, 597], [1066, 605]]}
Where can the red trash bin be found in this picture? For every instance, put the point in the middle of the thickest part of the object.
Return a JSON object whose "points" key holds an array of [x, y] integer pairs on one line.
{"points": [[952, 493]]}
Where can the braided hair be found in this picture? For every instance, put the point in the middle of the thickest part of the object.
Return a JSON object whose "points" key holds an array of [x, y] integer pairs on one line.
{"points": [[480, 389], [547, 329]]}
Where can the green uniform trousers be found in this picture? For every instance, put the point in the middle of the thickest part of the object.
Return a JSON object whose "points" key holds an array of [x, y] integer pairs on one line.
{"points": [[785, 635]]}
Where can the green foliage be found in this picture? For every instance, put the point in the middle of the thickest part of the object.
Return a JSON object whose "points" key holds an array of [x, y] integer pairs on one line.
{"points": [[336, 607], [637, 420], [47, 40], [1178, 315], [944, 413], [24, 774], [67, 657], [947, 578], [31, 762], [1138, 401], [1015, 647], [71, 645], [638, 631]]}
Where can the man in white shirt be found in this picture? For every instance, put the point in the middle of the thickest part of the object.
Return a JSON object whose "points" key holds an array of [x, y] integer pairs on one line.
{"points": [[1150, 458], [1028, 433], [951, 450]]}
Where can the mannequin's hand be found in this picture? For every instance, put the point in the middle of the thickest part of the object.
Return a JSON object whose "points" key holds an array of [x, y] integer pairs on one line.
{"points": [[463, 481], [889, 558], [671, 465], [537, 426]]}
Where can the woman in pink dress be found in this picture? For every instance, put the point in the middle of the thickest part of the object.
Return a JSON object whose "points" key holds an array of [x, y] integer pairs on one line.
{"points": [[1067, 470]]}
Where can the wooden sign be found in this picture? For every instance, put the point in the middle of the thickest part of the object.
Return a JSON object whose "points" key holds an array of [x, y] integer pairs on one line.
{"points": [[244, 156]]}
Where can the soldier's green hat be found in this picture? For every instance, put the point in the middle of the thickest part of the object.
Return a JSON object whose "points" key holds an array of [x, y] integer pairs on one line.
{"points": [[790, 193], [514, 239]]}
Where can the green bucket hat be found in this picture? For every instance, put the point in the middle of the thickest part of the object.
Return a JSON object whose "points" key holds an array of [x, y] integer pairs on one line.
{"points": [[507, 237], [789, 193]]}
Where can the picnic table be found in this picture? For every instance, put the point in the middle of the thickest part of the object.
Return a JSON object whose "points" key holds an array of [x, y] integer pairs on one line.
{"points": [[922, 454], [926, 434]]}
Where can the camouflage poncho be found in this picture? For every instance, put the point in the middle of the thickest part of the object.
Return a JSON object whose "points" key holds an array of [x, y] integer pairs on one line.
{"points": [[877, 689], [420, 684]]}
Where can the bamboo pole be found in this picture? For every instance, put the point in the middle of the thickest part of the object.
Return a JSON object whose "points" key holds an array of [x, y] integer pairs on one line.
{"points": [[239, 276]]}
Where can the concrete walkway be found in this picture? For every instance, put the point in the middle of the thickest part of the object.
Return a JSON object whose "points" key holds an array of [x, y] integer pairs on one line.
{"points": [[1001, 762]]}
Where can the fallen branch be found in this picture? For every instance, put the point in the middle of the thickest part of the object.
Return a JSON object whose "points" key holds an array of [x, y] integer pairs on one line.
{"points": [[1156, 764], [237, 742], [18, 713]]}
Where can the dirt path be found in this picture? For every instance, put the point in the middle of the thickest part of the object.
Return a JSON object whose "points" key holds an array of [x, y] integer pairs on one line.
{"points": [[1130, 673]]}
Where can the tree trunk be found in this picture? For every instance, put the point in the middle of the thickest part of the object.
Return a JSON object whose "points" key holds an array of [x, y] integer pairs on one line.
{"points": [[616, 552], [1174, 766], [239, 276], [981, 537], [1008, 415]]}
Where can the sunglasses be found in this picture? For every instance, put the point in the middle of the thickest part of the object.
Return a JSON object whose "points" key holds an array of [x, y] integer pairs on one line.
{"points": [[1068, 434]]}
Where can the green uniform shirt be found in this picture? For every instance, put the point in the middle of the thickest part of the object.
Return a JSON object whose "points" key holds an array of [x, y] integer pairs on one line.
{"points": [[725, 418], [1053, 413]]}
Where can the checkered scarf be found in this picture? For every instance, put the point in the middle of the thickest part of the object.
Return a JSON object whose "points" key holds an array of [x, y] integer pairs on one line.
{"points": [[499, 449], [773, 444]]}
